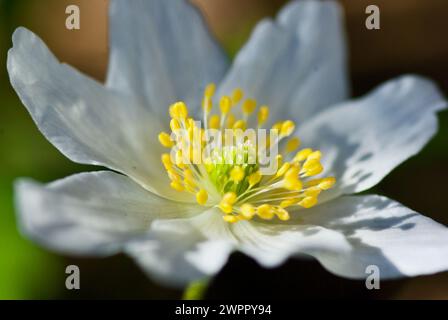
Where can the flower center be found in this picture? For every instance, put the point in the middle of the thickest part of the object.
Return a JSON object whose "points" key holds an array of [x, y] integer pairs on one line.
{"points": [[238, 170]]}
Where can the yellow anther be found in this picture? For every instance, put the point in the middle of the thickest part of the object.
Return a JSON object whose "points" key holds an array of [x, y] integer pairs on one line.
{"points": [[229, 197], [312, 192], [179, 159], [287, 203], [188, 175], [173, 175], [303, 154], [237, 95], [327, 183], [254, 178], [202, 197], [308, 202], [173, 111], [182, 110], [287, 128], [247, 211], [265, 211], [166, 160], [165, 140], [263, 115], [315, 155], [190, 123], [282, 214], [209, 91], [292, 184], [230, 120], [227, 201], [291, 180], [249, 106], [312, 167], [277, 126], [240, 124], [226, 208], [176, 185], [292, 144], [179, 110], [214, 121], [283, 169], [292, 173], [237, 174], [230, 218], [225, 104], [174, 124]]}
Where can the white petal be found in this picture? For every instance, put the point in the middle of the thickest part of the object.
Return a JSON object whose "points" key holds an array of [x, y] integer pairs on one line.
{"points": [[179, 251], [382, 232], [90, 213], [296, 64], [162, 52], [85, 121], [271, 244], [349, 234], [364, 139]]}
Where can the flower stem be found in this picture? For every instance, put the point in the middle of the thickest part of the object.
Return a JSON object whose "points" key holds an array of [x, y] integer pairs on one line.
{"points": [[196, 290]]}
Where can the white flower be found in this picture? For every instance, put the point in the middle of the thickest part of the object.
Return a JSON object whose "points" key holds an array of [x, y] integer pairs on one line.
{"points": [[161, 52]]}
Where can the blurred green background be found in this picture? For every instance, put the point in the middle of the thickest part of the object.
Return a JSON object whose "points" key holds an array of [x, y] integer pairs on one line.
{"points": [[412, 39]]}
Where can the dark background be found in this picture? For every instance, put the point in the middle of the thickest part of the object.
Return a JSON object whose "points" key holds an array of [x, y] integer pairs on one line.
{"points": [[412, 39]]}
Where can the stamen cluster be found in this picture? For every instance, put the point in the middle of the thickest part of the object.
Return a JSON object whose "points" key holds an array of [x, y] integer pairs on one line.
{"points": [[227, 176]]}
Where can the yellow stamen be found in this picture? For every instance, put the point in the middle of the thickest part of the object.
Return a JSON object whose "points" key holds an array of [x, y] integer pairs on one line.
{"points": [[263, 115], [303, 154], [282, 214], [202, 197], [240, 124], [287, 128], [230, 218], [166, 160], [249, 106], [230, 120], [237, 95], [247, 211], [177, 186], [254, 178], [214, 121], [312, 167], [308, 202], [277, 126], [165, 140], [327, 183], [287, 203], [225, 104], [238, 187], [179, 110], [283, 169], [174, 124], [227, 201], [265, 212], [237, 174], [292, 144], [207, 105], [210, 90], [315, 155]]}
